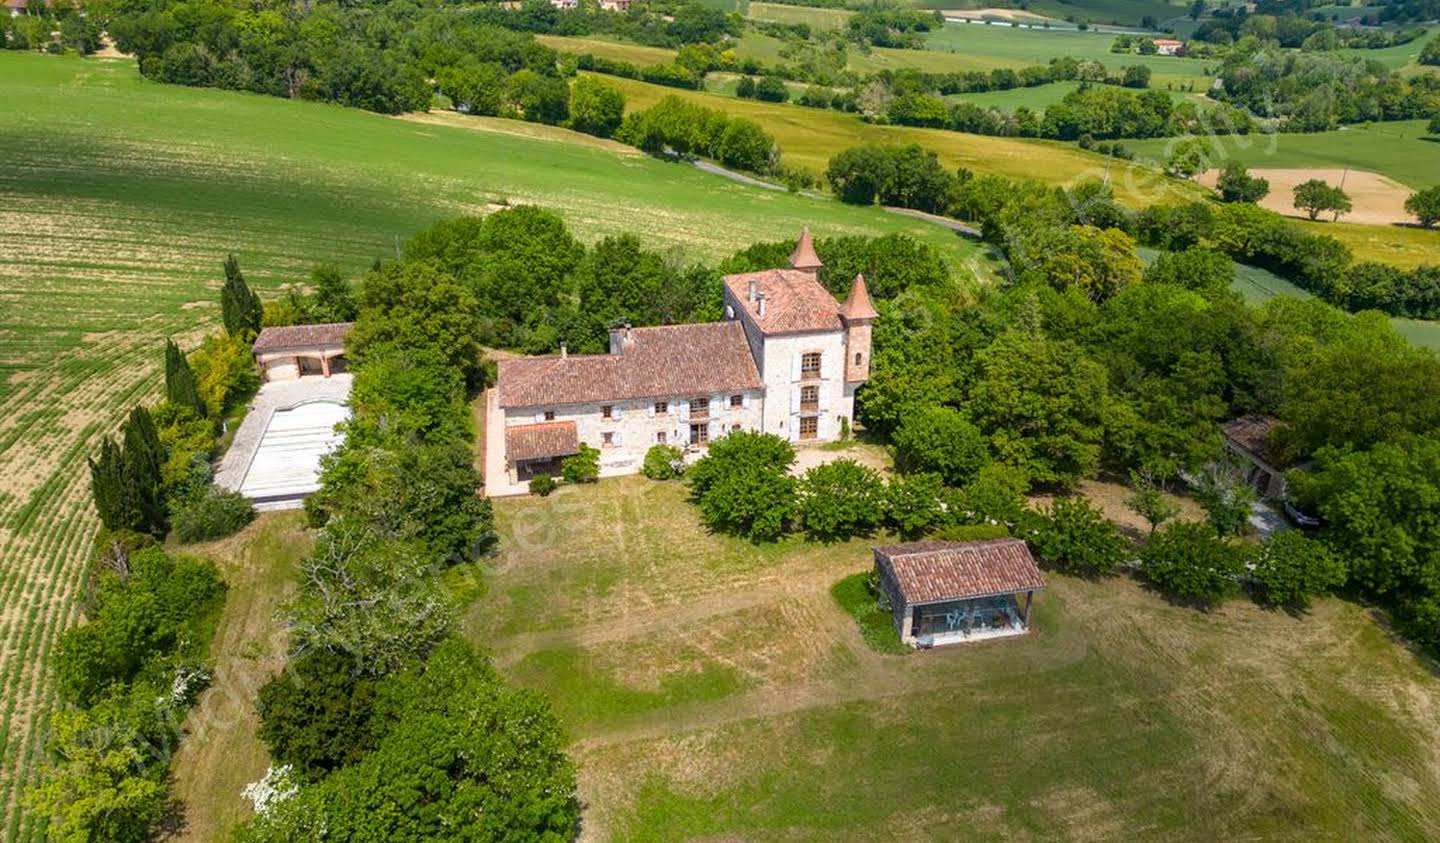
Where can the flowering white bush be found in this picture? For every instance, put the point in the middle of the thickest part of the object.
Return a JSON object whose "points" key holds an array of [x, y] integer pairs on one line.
{"points": [[277, 785]]}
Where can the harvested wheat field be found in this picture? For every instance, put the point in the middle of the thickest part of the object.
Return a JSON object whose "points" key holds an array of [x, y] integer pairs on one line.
{"points": [[1378, 200]]}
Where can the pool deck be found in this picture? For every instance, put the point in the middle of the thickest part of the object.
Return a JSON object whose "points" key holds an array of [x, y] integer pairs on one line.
{"points": [[282, 481]]}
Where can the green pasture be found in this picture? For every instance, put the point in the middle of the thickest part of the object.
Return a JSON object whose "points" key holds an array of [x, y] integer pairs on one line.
{"points": [[815, 17], [809, 137], [723, 694], [1004, 46], [1400, 149], [1398, 57], [1041, 97], [608, 48]]}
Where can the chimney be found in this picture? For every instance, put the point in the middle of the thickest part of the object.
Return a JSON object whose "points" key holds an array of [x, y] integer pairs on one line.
{"points": [[753, 288], [564, 352], [760, 304], [620, 338]]}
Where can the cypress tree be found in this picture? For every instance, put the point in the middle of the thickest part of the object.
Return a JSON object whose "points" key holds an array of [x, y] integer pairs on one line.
{"points": [[240, 308], [180, 388], [143, 481], [118, 509]]}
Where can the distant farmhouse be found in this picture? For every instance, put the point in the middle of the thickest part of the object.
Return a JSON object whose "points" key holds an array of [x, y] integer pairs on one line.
{"points": [[1169, 46], [786, 360]]}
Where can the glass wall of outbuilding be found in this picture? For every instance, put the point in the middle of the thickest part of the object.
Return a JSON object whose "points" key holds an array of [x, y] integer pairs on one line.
{"points": [[974, 615]]}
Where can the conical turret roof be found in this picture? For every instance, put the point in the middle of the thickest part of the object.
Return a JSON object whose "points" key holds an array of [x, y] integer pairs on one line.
{"points": [[857, 305], [804, 256]]}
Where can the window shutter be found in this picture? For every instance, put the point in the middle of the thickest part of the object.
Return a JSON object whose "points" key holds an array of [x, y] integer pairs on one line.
{"points": [[539, 417], [795, 367], [650, 410], [827, 366], [795, 400], [794, 427], [683, 408], [615, 439], [822, 426], [616, 412], [719, 403], [745, 400]]}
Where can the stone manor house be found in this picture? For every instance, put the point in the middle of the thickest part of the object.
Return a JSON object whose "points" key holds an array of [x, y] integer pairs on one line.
{"points": [[786, 359]]}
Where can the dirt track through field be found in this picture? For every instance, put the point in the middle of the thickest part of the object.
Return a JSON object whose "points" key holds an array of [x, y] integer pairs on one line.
{"points": [[1378, 200]]}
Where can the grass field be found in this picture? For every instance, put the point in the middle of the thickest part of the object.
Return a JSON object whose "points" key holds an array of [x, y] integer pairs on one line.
{"points": [[1399, 149], [816, 18], [808, 137], [1005, 46], [118, 201], [1402, 246], [715, 690], [1043, 96], [615, 50], [221, 752]]}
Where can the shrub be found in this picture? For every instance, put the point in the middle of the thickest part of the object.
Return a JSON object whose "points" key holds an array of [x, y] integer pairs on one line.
{"points": [[742, 486], [841, 499], [1291, 568], [542, 485], [1189, 561], [997, 496], [971, 533], [940, 440], [210, 513], [913, 503], [663, 462], [1076, 537], [583, 467], [1222, 491], [316, 715]]}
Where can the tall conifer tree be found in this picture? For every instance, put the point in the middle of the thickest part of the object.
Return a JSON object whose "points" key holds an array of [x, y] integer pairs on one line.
{"points": [[118, 508], [240, 307], [143, 458], [180, 388]]}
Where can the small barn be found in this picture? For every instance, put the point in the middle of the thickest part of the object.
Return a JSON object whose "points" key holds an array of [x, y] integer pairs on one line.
{"points": [[289, 352], [950, 592], [1249, 439]]}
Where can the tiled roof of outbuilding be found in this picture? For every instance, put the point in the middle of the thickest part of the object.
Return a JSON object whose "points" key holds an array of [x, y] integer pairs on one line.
{"points": [[933, 571], [659, 362], [302, 336], [541, 441], [1252, 433]]}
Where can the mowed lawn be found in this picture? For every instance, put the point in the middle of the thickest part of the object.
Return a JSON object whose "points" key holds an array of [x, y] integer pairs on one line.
{"points": [[809, 137], [714, 690], [119, 199]]}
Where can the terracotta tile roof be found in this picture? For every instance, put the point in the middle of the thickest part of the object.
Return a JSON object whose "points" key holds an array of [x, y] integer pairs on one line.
{"points": [[930, 572], [660, 362], [804, 256], [794, 301], [541, 441], [1251, 434], [857, 305], [302, 336]]}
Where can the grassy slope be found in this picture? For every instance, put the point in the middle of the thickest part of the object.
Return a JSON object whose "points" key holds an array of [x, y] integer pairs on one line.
{"points": [[119, 199], [615, 50], [1400, 150], [1043, 96], [816, 18], [808, 137], [221, 753], [720, 693]]}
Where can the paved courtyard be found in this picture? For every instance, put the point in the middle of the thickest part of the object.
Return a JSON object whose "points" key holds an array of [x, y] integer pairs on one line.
{"points": [[275, 457]]}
